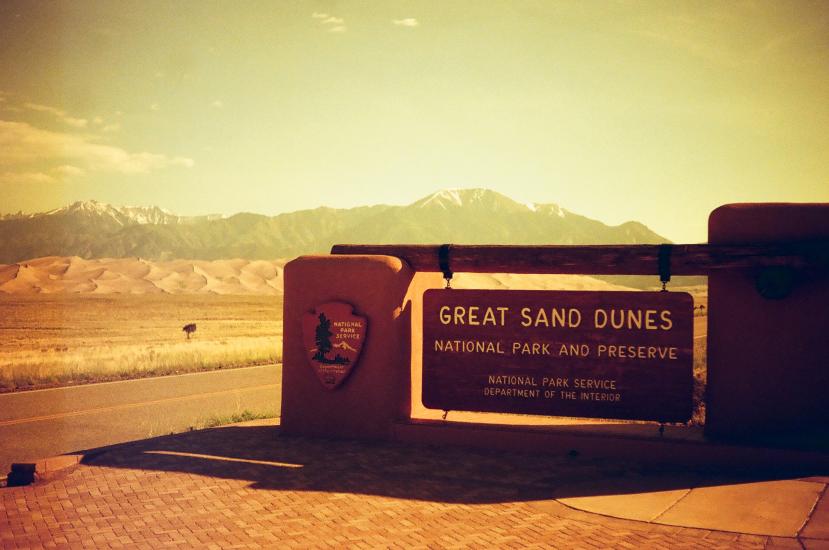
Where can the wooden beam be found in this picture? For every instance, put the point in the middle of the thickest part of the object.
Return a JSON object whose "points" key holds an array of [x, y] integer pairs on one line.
{"points": [[686, 259]]}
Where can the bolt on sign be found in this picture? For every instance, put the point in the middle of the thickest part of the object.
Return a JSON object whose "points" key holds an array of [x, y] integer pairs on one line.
{"points": [[624, 355]]}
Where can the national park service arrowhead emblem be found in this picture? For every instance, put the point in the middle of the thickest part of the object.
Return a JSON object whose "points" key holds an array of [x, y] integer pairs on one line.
{"points": [[333, 337]]}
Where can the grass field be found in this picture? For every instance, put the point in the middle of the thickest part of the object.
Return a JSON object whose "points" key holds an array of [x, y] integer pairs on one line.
{"points": [[65, 339], [69, 339], [700, 368]]}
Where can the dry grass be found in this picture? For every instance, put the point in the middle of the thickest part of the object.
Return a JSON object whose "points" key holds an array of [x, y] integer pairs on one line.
{"points": [[700, 367], [67, 339], [64, 339], [244, 416]]}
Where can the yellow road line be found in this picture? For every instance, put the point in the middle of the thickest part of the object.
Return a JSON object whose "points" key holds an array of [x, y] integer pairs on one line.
{"points": [[132, 405], [148, 379], [225, 458]]}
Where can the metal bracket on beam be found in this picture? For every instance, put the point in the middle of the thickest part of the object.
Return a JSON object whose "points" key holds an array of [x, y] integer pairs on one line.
{"points": [[664, 261], [775, 283], [443, 263]]}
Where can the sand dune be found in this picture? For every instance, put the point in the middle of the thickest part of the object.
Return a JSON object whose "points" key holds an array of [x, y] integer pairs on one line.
{"points": [[514, 281], [58, 274]]}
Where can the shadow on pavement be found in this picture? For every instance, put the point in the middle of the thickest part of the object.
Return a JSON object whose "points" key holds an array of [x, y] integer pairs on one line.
{"points": [[259, 454]]}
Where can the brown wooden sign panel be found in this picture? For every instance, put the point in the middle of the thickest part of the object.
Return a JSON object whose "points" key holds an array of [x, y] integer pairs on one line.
{"points": [[333, 336], [625, 355]]}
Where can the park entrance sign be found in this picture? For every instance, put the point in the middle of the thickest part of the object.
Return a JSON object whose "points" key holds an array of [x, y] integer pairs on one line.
{"points": [[588, 354], [624, 355]]}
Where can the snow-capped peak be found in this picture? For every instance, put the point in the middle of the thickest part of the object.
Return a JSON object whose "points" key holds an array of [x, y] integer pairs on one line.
{"points": [[81, 206], [96, 211], [550, 209], [442, 199], [123, 215], [90, 208], [149, 215], [454, 198]]}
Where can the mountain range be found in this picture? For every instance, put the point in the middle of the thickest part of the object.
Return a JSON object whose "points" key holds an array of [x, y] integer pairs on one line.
{"points": [[92, 229]]}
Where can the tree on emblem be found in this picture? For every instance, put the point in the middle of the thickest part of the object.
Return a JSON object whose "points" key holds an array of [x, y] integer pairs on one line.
{"points": [[323, 338]]}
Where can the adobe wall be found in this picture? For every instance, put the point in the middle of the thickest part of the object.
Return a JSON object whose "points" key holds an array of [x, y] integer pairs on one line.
{"points": [[768, 359], [377, 392]]}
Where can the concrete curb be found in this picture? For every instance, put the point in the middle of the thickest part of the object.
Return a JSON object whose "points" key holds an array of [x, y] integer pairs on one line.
{"points": [[26, 473], [780, 509]]}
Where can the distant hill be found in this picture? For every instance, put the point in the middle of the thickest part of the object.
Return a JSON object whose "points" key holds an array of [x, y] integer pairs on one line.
{"points": [[92, 229]]}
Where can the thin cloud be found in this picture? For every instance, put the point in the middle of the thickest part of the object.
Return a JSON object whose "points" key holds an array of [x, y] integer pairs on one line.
{"points": [[22, 144], [407, 22], [331, 22], [44, 109], [26, 178], [700, 34], [182, 161], [109, 128], [218, 104], [155, 107], [57, 113], [69, 171], [75, 122], [55, 175]]}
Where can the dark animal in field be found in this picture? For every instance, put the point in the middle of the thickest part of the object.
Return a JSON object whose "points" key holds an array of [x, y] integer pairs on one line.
{"points": [[189, 329]]}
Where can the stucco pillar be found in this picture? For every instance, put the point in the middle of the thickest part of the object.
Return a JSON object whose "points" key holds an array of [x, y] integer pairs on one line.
{"points": [[378, 389], [768, 359]]}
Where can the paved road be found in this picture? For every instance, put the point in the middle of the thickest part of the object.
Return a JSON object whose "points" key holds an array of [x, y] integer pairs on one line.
{"points": [[42, 423]]}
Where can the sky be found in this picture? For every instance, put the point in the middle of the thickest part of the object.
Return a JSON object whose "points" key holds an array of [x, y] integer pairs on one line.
{"points": [[651, 111]]}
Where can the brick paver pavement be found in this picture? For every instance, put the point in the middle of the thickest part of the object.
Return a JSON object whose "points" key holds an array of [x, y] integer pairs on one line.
{"points": [[248, 487]]}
